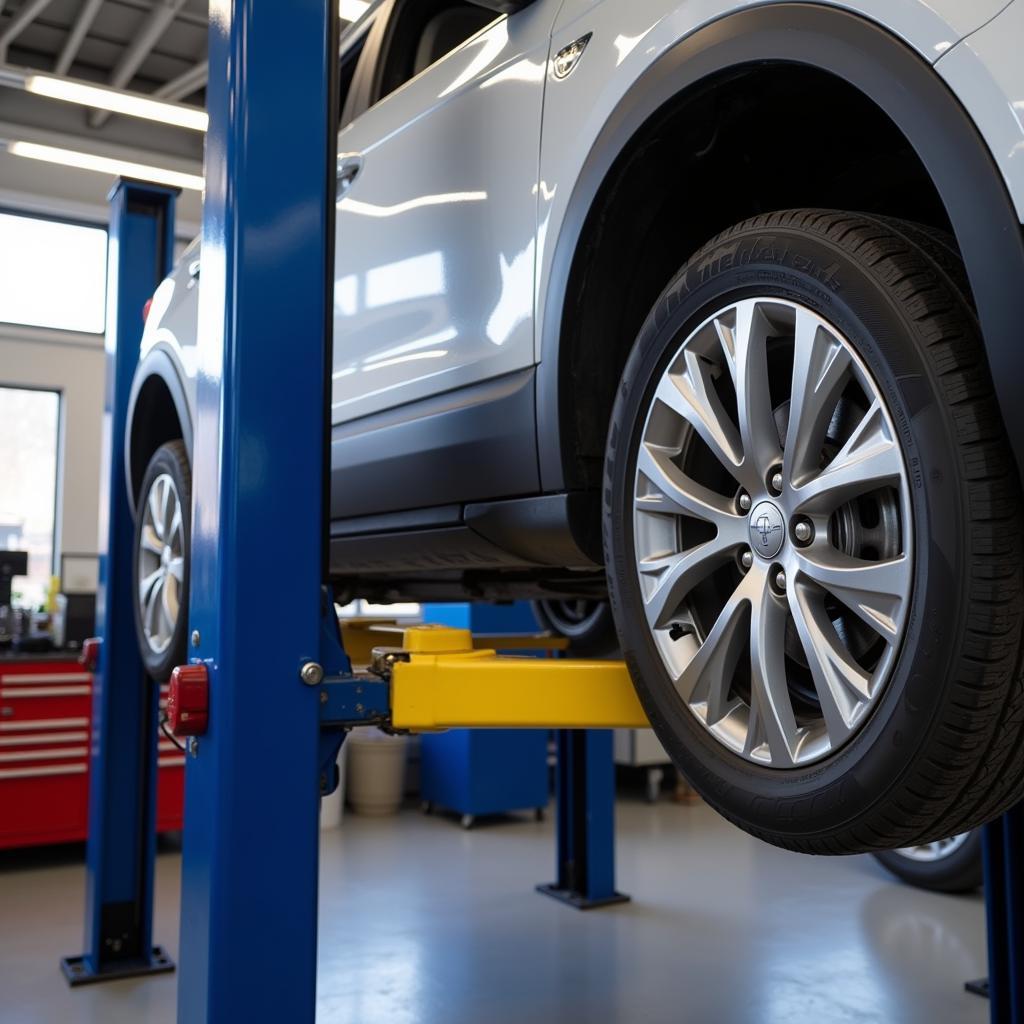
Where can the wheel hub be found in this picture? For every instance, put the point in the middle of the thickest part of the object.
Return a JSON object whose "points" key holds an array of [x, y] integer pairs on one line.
{"points": [[767, 527]]}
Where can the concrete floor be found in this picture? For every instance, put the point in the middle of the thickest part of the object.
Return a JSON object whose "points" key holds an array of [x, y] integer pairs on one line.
{"points": [[422, 923]]}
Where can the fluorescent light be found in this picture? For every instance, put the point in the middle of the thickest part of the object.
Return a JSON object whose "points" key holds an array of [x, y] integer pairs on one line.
{"points": [[106, 165], [353, 10], [118, 102]]}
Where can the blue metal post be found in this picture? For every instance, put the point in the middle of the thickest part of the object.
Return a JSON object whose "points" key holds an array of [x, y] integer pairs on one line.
{"points": [[119, 881], [1003, 851], [249, 872], [585, 787]]}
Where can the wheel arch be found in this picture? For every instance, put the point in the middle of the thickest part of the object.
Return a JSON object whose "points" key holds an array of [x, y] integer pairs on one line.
{"points": [[882, 70], [158, 412]]}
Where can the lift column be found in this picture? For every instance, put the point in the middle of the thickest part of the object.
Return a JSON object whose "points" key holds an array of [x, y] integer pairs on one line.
{"points": [[122, 780], [249, 871]]}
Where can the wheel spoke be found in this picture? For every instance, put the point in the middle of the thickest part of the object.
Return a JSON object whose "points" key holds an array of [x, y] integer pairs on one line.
{"points": [[821, 366], [676, 575], [691, 395], [150, 541], [676, 494], [772, 722], [147, 583], [155, 511], [842, 686], [875, 591], [709, 672], [870, 459], [151, 608], [176, 567], [748, 364]]}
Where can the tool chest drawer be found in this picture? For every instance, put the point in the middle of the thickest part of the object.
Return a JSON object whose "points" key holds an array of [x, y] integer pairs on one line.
{"points": [[45, 715]]}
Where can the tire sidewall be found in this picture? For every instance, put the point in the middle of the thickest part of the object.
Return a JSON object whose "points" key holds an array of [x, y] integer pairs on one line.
{"points": [[796, 265], [171, 459]]}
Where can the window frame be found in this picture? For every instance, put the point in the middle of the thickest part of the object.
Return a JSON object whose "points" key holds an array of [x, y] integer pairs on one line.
{"points": [[58, 482], [76, 222]]}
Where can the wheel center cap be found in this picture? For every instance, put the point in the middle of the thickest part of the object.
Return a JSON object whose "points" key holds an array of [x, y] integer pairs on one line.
{"points": [[767, 529]]}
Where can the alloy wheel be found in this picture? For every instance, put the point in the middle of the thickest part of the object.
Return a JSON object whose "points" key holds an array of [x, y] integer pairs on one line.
{"points": [[161, 562], [772, 532]]}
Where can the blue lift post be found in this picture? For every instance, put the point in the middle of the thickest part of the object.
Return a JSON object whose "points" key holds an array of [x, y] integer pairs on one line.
{"points": [[250, 862], [122, 788], [585, 792], [1003, 852]]}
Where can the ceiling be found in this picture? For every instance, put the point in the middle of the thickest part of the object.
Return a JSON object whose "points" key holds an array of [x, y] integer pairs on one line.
{"points": [[155, 47]]}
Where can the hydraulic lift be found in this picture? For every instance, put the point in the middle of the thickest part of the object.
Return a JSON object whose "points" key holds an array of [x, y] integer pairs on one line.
{"points": [[270, 691]]}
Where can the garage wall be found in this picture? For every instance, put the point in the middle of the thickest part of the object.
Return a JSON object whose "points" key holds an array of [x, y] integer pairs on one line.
{"points": [[74, 365]]}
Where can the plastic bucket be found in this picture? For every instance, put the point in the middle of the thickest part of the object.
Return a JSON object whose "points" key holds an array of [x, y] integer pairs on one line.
{"points": [[375, 772]]}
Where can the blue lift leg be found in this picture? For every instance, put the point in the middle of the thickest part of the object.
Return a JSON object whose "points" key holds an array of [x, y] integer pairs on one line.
{"points": [[249, 868], [119, 883], [1003, 851], [585, 791]]}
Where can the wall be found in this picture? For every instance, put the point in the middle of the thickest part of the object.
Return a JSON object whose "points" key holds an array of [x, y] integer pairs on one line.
{"points": [[74, 365]]}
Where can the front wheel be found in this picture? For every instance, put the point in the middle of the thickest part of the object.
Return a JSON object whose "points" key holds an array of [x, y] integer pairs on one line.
{"points": [[813, 537], [162, 538]]}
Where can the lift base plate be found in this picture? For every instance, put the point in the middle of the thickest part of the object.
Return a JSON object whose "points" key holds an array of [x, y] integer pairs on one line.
{"points": [[77, 971]]}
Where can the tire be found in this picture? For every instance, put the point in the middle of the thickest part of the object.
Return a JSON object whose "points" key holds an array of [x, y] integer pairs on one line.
{"points": [[951, 865], [862, 718], [587, 625], [162, 550]]}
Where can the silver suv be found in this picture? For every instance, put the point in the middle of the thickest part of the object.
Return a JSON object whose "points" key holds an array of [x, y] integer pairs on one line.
{"points": [[712, 309]]}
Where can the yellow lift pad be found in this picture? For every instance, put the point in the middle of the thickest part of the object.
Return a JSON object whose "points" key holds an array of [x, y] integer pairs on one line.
{"points": [[447, 684]]}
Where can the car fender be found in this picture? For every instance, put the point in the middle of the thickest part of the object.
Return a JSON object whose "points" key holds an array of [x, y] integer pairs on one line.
{"points": [[896, 77]]}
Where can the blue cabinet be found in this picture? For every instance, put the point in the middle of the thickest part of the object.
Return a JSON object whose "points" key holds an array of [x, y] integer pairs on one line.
{"points": [[484, 771]]}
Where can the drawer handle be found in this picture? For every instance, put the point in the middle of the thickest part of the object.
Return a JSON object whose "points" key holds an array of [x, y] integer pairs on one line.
{"points": [[44, 737], [43, 723], [38, 773], [46, 691], [52, 754]]}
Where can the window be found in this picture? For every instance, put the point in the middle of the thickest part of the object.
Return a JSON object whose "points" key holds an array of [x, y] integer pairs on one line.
{"points": [[30, 425], [54, 274], [422, 32]]}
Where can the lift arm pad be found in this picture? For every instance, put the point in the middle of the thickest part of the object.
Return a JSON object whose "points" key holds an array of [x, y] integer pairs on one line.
{"points": [[481, 689]]}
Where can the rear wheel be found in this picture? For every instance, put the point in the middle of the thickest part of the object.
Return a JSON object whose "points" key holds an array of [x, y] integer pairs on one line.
{"points": [[812, 529], [947, 865], [162, 536], [587, 625]]}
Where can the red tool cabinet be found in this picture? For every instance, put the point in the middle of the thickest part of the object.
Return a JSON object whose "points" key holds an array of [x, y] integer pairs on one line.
{"points": [[45, 712]]}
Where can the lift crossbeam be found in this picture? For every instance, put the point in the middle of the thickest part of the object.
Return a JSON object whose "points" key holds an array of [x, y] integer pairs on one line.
{"points": [[437, 680]]}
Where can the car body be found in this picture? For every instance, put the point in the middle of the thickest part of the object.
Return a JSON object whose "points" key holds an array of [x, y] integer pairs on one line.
{"points": [[451, 282], [548, 383]]}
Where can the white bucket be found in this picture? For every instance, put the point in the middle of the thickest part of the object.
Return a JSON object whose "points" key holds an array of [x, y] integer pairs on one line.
{"points": [[376, 771]]}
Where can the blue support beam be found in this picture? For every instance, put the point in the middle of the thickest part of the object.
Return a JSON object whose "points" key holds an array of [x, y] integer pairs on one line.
{"points": [[585, 790], [122, 786], [249, 872], [1003, 853]]}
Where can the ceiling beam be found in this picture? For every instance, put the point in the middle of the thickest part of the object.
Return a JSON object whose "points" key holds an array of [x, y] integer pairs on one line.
{"points": [[86, 16], [185, 84], [139, 49], [28, 13]]}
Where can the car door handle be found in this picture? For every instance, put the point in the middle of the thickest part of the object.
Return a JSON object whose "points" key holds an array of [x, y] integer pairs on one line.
{"points": [[349, 166]]}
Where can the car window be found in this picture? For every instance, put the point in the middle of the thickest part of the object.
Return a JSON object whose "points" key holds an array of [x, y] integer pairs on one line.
{"points": [[421, 32], [347, 107]]}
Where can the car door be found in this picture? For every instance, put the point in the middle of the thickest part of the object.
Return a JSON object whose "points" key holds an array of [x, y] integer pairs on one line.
{"points": [[437, 207]]}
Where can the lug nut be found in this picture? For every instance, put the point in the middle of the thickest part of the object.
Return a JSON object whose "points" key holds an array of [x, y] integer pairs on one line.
{"points": [[746, 559], [803, 531], [780, 580], [745, 502], [776, 481]]}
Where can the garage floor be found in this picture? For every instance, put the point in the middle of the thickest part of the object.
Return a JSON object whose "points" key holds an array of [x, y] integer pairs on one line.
{"points": [[422, 922]]}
